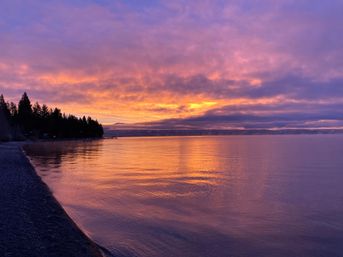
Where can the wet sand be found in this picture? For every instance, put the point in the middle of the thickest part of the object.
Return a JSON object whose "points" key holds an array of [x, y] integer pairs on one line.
{"points": [[32, 222]]}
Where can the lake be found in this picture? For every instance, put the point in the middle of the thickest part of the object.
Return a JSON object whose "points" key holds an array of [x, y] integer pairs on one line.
{"points": [[215, 196]]}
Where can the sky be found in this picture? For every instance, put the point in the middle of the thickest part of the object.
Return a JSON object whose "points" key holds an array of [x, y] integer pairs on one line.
{"points": [[247, 64]]}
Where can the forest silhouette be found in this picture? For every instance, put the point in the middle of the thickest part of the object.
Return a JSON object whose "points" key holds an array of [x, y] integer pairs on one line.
{"points": [[39, 121]]}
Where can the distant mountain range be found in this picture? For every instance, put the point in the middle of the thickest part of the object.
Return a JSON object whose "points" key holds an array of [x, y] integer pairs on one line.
{"points": [[122, 131]]}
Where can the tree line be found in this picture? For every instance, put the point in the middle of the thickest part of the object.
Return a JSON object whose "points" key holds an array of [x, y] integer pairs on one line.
{"points": [[40, 121]]}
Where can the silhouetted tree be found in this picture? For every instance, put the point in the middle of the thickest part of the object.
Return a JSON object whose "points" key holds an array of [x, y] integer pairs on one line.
{"points": [[25, 114], [5, 134], [37, 119], [14, 113], [41, 121], [36, 110], [5, 117], [5, 108]]}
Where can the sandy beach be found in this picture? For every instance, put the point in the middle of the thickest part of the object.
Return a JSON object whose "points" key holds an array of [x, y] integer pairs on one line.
{"points": [[32, 222]]}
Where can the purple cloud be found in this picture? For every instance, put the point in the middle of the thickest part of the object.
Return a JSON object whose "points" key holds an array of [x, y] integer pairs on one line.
{"points": [[129, 59]]}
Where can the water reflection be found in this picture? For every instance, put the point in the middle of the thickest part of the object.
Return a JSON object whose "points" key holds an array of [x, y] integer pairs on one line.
{"points": [[202, 196]]}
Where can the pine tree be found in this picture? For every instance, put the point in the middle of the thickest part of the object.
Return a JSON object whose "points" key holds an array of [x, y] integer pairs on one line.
{"points": [[5, 108], [44, 112], [25, 114], [40, 121], [37, 119], [36, 109]]}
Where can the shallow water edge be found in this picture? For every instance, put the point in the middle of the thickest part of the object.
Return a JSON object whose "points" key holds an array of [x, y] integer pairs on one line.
{"points": [[33, 223]]}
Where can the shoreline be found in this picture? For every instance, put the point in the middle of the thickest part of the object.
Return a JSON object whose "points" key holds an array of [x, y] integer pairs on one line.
{"points": [[32, 222], [216, 132]]}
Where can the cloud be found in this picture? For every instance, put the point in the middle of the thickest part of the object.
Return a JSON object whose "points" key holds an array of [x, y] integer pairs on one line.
{"points": [[269, 116], [128, 61]]}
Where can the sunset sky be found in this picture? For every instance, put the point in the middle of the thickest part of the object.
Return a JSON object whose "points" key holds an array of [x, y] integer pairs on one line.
{"points": [[180, 63]]}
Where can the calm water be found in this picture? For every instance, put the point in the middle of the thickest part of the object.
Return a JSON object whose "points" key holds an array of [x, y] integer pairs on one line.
{"points": [[239, 196]]}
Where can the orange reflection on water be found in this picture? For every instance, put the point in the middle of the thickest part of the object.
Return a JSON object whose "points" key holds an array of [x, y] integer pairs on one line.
{"points": [[204, 196]]}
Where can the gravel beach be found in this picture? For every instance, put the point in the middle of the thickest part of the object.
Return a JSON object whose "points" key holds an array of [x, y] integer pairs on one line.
{"points": [[32, 222]]}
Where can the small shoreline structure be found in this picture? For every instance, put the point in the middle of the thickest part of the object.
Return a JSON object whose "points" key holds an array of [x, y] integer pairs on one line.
{"points": [[32, 222]]}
